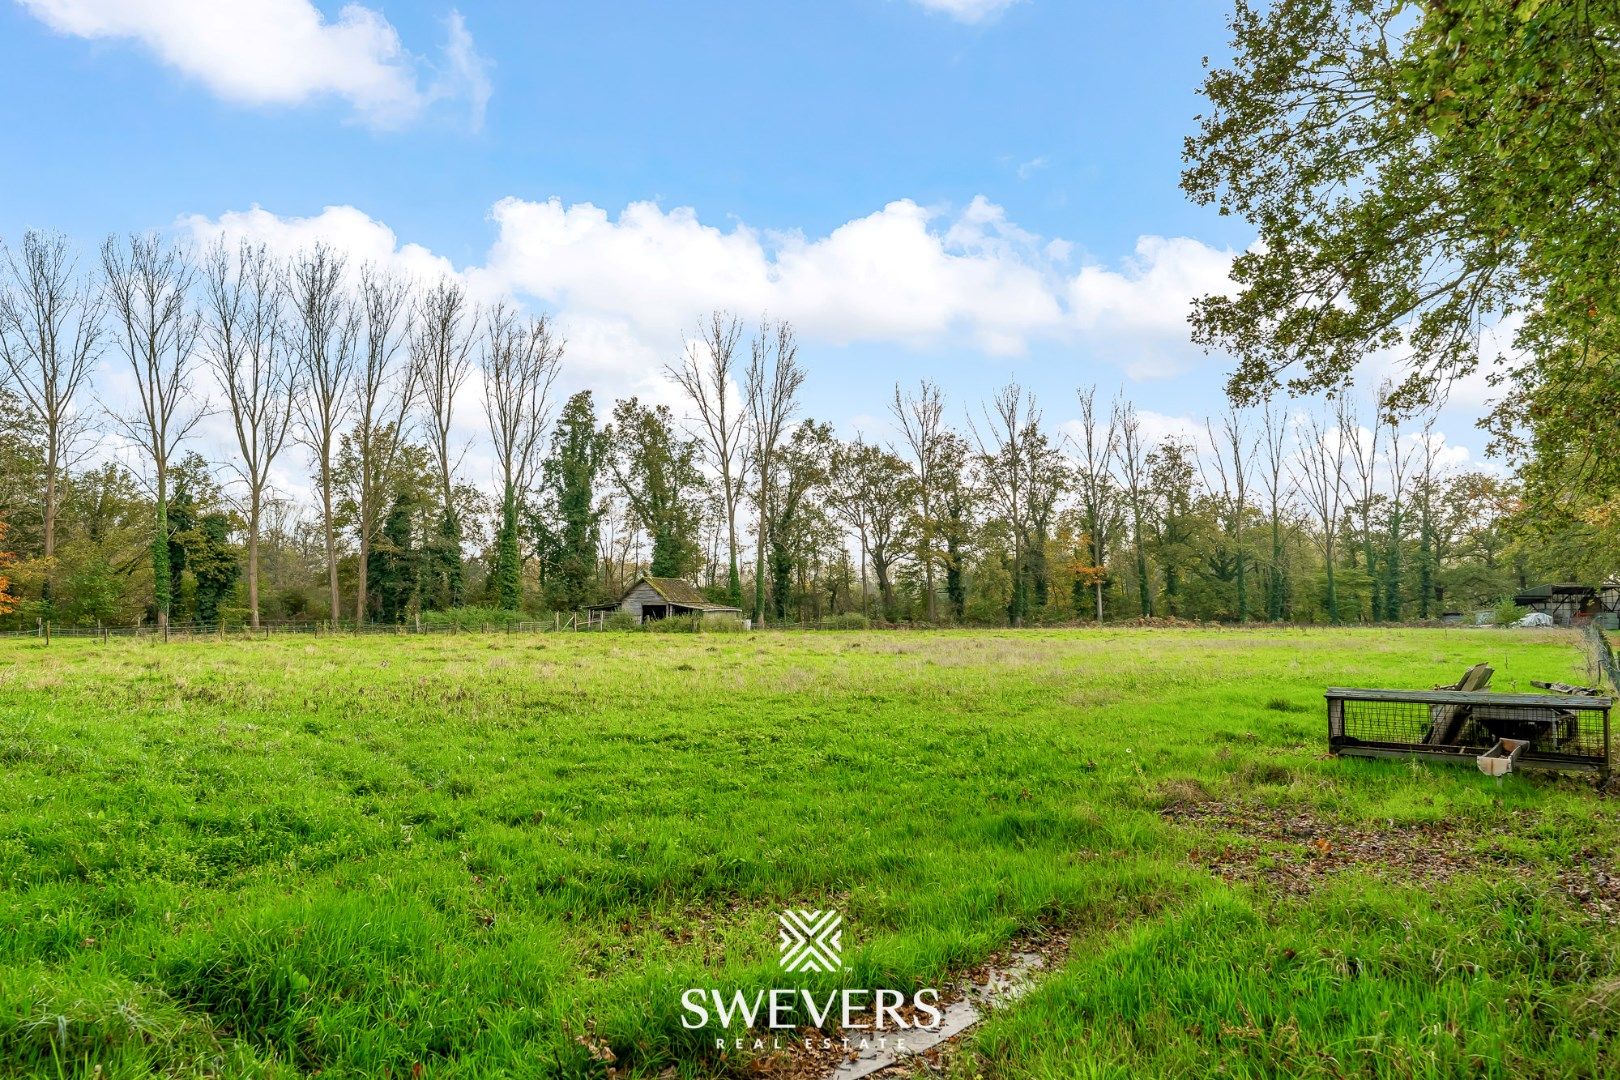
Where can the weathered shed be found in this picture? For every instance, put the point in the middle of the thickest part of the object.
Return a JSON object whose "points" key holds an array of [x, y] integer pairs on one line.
{"points": [[650, 598]]}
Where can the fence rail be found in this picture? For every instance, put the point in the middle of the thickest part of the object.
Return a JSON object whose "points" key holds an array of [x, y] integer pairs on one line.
{"points": [[46, 632]]}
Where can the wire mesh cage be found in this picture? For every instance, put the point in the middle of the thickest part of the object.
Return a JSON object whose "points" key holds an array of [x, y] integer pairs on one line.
{"points": [[1561, 732]]}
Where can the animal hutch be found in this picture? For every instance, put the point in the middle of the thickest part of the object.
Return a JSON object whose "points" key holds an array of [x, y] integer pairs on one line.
{"points": [[1498, 732]]}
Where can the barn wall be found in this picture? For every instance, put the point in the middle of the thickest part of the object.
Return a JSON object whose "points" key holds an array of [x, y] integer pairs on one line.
{"points": [[641, 594]]}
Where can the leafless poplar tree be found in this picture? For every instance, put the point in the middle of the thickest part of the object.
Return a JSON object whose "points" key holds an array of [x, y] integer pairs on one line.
{"points": [[1011, 420], [384, 394], [1364, 465], [51, 335], [772, 387], [245, 331], [922, 423], [1320, 479], [441, 351], [1233, 462], [1096, 447], [1130, 456], [1278, 483], [1398, 462], [521, 358], [149, 295], [705, 374], [326, 327], [1427, 496]]}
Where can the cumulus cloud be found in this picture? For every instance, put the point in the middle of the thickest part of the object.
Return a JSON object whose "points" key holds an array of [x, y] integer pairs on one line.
{"points": [[286, 52], [360, 238], [968, 11], [629, 286], [905, 274]]}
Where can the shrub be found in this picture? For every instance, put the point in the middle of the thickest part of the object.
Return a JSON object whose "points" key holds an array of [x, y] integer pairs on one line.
{"points": [[621, 620], [850, 620], [1506, 612], [721, 624], [675, 624]]}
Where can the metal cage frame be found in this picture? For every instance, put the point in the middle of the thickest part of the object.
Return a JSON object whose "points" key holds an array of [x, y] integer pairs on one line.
{"points": [[1560, 732]]}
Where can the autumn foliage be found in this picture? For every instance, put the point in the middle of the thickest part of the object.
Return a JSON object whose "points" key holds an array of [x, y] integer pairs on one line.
{"points": [[8, 602]]}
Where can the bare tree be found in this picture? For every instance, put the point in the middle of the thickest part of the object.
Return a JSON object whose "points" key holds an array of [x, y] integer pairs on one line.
{"points": [[1130, 456], [1278, 483], [1428, 542], [922, 423], [1024, 474], [149, 294], [441, 351], [1096, 446], [384, 393], [325, 328], [245, 329], [50, 338], [521, 358], [773, 380], [705, 373], [1364, 464], [1233, 462], [1398, 461], [871, 495], [1320, 479]]}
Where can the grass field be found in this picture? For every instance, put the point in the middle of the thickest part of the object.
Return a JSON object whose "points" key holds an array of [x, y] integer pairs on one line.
{"points": [[506, 856]]}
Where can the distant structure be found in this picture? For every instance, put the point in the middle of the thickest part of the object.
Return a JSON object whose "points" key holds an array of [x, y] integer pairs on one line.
{"points": [[652, 598], [1572, 604]]}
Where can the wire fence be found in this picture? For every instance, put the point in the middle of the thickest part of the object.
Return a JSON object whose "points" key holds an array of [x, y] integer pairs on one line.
{"points": [[47, 632], [1603, 652]]}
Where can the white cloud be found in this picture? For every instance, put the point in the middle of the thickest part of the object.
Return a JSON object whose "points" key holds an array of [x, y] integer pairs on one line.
{"points": [[285, 52], [905, 274], [628, 288], [1029, 168], [361, 238], [968, 11]]}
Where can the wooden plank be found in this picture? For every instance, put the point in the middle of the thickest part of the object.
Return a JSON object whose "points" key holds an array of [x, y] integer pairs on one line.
{"points": [[1459, 697], [1448, 720], [1566, 688]]}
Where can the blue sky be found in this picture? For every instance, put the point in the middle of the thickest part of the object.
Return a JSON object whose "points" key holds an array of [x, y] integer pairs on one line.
{"points": [[970, 190]]}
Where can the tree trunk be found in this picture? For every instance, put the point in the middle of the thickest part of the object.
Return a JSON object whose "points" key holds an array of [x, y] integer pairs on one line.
{"points": [[1375, 600], [733, 577], [759, 567], [162, 586], [1277, 600], [50, 523], [363, 567], [253, 558], [1332, 591], [1242, 587], [331, 546]]}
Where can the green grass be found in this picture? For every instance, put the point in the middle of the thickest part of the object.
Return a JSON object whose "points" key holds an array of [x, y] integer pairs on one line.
{"points": [[499, 855]]}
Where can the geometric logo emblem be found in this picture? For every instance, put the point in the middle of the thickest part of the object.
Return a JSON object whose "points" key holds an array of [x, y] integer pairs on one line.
{"points": [[811, 940]]}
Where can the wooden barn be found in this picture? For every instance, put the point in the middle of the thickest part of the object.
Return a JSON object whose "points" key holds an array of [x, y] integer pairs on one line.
{"points": [[651, 598]]}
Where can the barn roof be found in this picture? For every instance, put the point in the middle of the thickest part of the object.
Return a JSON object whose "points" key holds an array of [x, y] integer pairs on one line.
{"points": [[677, 592]]}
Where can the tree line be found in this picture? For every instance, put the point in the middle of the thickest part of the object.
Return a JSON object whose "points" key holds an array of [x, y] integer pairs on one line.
{"points": [[1273, 511]]}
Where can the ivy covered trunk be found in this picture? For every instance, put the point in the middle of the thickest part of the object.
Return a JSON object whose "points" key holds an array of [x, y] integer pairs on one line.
{"points": [[508, 560], [162, 586]]}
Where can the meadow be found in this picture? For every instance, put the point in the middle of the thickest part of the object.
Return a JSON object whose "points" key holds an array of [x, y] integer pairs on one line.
{"points": [[507, 855]]}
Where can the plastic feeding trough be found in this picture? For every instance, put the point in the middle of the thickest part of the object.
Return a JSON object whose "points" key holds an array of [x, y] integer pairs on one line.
{"points": [[1498, 732]]}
